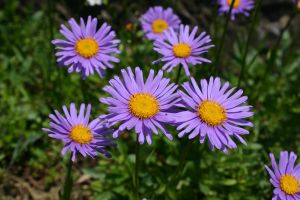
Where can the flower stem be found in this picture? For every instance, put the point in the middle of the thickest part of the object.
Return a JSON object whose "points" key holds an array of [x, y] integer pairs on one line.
{"points": [[252, 26], [137, 162], [219, 50], [178, 74], [68, 182]]}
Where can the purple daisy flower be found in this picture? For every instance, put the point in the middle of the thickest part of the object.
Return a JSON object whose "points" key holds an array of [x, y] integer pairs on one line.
{"points": [[239, 6], [297, 2], [144, 106], [285, 177], [87, 49], [157, 20], [183, 48], [213, 112], [78, 134]]}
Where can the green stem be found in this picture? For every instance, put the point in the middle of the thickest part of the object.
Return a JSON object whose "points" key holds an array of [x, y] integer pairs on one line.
{"points": [[68, 181], [178, 74], [244, 59], [137, 162], [219, 50]]}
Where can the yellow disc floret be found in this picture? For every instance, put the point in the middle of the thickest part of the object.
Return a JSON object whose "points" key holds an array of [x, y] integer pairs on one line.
{"points": [[87, 47], [143, 105], [289, 184], [159, 25], [182, 50], [81, 134], [298, 4], [236, 3], [212, 113]]}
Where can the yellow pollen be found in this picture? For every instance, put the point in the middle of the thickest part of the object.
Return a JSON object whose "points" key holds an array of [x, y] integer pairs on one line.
{"points": [[298, 4], [236, 3], [87, 47], [289, 184], [143, 105], [159, 25], [182, 50], [81, 134], [212, 113]]}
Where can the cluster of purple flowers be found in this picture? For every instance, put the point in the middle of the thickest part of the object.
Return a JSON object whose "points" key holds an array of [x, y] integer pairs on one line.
{"points": [[204, 109]]}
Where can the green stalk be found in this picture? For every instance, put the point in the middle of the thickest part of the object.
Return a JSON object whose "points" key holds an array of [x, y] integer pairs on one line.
{"points": [[68, 181], [137, 162], [252, 26], [178, 74], [219, 50]]}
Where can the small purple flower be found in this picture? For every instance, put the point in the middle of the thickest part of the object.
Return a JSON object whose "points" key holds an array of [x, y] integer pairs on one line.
{"points": [[157, 20], [183, 48], [87, 49], [78, 134], [285, 177], [239, 7], [213, 112], [144, 106], [297, 2]]}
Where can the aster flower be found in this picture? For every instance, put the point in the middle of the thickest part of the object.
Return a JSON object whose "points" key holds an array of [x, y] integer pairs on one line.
{"points": [[239, 7], [297, 2], [157, 20], [144, 106], [285, 177], [78, 134], [214, 113], [87, 49], [184, 48]]}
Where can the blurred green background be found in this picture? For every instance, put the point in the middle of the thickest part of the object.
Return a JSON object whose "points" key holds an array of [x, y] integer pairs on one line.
{"points": [[31, 86]]}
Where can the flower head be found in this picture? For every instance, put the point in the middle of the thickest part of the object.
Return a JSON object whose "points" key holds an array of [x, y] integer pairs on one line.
{"points": [[285, 177], [144, 106], [183, 48], [213, 112], [297, 2], [87, 49], [239, 7], [157, 20], [78, 134]]}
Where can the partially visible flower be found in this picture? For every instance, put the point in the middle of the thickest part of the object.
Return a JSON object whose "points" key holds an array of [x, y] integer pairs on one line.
{"points": [[183, 48], [285, 177], [94, 2], [87, 49], [145, 106], [297, 2], [157, 20], [78, 134], [129, 26], [239, 7], [213, 112]]}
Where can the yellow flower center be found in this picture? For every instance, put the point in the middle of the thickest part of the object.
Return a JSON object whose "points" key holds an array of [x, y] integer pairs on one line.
{"points": [[159, 25], [87, 47], [182, 50], [143, 105], [289, 184], [212, 113], [236, 3], [298, 4], [81, 134]]}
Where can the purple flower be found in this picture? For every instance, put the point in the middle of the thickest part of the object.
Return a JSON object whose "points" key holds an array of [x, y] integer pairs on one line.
{"points": [[239, 6], [214, 112], [144, 106], [297, 2], [285, 177], [157, 20], [87, 49], [78, 134], [183, 48]]}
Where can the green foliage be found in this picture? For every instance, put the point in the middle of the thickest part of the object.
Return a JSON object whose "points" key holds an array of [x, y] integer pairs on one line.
{"points": [[32, 86]]}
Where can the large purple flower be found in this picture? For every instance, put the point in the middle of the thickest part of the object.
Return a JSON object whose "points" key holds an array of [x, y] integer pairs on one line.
{"points": [[285, 177], [239, 7], [144, 106], [78, 134], [213, 113], [157, 20], [182, 48], [87, 49]]}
